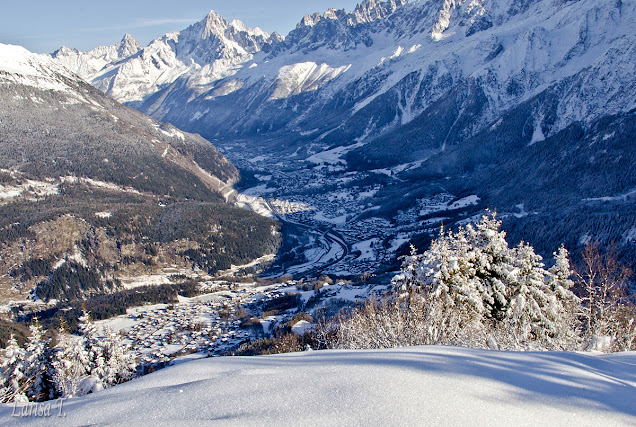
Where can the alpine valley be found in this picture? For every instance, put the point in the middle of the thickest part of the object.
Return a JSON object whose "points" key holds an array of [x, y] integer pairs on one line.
{"points": [[401, 180], [362, 131]]}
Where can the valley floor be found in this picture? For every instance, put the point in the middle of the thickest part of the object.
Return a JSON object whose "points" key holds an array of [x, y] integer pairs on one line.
{"points": [[407, 386]]}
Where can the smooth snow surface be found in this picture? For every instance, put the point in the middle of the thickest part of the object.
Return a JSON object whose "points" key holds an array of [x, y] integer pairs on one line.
{"points": [[408, 386]]}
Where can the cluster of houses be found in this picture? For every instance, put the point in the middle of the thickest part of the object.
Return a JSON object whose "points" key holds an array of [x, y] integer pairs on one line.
{"points": [[214, 324], [162, 333]]}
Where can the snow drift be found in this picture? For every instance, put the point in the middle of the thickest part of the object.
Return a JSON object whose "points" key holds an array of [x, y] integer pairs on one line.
{"points": [[408, 386]]}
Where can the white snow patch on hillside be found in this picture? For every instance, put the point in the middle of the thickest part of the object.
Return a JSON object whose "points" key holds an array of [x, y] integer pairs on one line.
{"points": [[405, 386], [630, 235], [399, 240], [320, 216], [333, 156], [78, 257], [366, 249], [172, 133], [628, 196], [30, 188], [97, 183], [236, 268], [144, 280], [537, 135], [466, 201], [303, 77], [256, 204], [9, 192]]}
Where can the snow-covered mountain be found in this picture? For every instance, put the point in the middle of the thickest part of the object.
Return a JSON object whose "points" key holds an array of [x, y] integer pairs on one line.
{"points": [[80, 123], [525, 103], [204, 52], [88, 63], [504, 51]]}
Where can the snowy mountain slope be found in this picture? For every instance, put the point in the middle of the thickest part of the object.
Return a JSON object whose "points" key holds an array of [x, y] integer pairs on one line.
{"points": [[88, 63], [408, 386], [92, 190], [413, 52]]}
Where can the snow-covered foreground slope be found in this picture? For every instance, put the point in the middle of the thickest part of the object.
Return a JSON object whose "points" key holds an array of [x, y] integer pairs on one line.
{"points": [[408, 386]]}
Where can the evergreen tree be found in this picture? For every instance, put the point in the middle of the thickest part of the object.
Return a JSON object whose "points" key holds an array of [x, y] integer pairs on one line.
{"points": [[13, 382], [36, 363], [480, 287], [105, 357], [95, 360], [69, 365]]}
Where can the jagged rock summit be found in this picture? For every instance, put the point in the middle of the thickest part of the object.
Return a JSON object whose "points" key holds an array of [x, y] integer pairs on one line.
{"points": [[205, 51]]}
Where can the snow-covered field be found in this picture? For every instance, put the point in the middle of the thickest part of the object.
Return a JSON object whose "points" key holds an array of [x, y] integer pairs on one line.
{"points": [[407, 386]]}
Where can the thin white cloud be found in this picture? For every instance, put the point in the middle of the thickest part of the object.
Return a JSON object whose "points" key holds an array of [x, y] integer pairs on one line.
{"points": [[139, 23]]}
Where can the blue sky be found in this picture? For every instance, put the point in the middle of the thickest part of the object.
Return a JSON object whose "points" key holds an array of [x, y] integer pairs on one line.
{"points": [[45, 25]]}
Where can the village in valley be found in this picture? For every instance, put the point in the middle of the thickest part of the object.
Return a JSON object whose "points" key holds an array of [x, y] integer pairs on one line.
{"points": [[228, 315]]}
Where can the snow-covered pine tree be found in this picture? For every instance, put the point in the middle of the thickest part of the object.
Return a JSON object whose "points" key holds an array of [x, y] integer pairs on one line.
{"points": [[91, 362], [36, 363], [25, 371], [68, 369], [482, 292], [119, 365], [93, 352], [107, 361], [445, 275], [568, 311], [13, 383], [542, 311]]}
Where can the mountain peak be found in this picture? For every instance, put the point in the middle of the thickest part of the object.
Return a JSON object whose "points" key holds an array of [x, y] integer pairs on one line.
{"points": [[128, 46], [372, 10], [65, 51], [309, 20], [214, 24], [367, 11], [128, 38]]}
